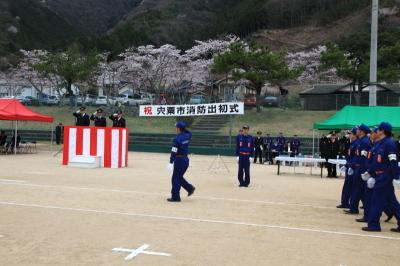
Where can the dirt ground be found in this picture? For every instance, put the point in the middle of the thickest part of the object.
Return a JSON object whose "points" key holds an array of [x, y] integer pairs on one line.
{"points": [[55, 215]]}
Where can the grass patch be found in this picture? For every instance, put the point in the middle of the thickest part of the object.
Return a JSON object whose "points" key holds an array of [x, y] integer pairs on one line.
{"points": [[275, 120]]}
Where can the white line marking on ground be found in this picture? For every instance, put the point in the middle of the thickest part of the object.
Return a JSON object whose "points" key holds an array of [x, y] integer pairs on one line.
{"points": [[164, 195], [12, 181], [188, 219], [140, 250]]}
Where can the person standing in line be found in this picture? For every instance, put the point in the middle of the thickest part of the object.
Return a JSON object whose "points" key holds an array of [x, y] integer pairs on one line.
{"points": [[58, 132], [82, 118], [267, 149], [98, 118], [118, 120], [332, 153], [244, 153], [384, 175], [364, 145], [281, 143], [258, 147], [294, 146]]}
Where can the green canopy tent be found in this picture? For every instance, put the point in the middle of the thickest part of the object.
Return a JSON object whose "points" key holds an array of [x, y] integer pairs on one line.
{"points": [[351, 116]]}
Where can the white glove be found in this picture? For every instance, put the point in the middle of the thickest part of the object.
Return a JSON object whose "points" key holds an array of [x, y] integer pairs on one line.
{"points": [[365, 176], [343, 170], [371, 182], [396, 183], [261, 147], [250, 160], [237, 159], [78, 112], [170, 167], [350, 171]]}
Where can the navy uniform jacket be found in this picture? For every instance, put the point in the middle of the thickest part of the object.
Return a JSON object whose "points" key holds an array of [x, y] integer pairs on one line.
{"points": [[244, 145], [384, 162], [82, 119], [281, 143], [363, 147], [268, 141], [99, 121], [180, 145], [118, 122], [258, 142], [295, 144], [351, 153]]}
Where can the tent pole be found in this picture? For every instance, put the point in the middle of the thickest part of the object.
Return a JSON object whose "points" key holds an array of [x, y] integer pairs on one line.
{"points": [[16, 137], [52, 137], [313, 142]]}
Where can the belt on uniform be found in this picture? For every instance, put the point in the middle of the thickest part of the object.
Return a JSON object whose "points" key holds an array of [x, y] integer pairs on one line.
{"points": [[357, 165], [181, 156], [379, 172], [244, 153]]}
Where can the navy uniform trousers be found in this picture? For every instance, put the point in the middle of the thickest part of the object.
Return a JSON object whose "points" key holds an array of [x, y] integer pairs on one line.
{"points": [[358, 188], [382, 197], [181, 164], [346, 191], [244, 170]]}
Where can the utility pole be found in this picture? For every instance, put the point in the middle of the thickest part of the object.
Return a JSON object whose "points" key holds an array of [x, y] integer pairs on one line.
{"points": [[374, 53]]}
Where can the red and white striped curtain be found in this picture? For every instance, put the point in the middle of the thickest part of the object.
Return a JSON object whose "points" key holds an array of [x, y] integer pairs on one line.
{"points": [[111, 144]]}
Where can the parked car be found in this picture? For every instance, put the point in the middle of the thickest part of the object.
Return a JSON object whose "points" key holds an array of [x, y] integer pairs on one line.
{"points": [[197, 99], [271, 101], [250, 101], [26, 100], [122, 98], [101, 100], [51, 100], [139, 99], [112, 100], [90, 99]]}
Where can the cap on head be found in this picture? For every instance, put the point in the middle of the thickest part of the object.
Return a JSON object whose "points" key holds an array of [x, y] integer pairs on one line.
{"points": [[364, 128], [99, 110], [246, 127], [375, 130], [385, 126], [259, 132], [180, 125], [354, 130], [82, 108]]}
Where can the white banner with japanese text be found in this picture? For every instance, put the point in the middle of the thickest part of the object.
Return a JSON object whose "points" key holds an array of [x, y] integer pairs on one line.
{"points": [[235, 108]]}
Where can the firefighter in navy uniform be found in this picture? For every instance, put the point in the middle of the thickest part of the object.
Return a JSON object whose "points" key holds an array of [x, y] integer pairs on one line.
{"points": [[258, 147], [281, 143], [179, 162], [364, 145], [384, 174], [348, 168], [244, 153], [82, 118], [295, 146], [98, 118], [118, 120], [267, 148]]}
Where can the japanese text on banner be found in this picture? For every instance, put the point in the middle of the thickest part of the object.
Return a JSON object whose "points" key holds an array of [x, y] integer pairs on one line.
{"points": [[235, 108]]}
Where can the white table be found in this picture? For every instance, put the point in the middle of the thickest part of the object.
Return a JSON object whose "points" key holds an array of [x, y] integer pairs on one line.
{"points": [[284, 159], [337, 161]]}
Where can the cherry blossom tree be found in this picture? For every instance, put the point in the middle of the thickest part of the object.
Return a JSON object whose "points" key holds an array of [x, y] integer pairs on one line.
{"points": [[310, 62]]}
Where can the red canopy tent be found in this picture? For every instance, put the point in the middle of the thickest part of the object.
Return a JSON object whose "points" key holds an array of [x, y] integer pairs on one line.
{"points": [[13, 110]]}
